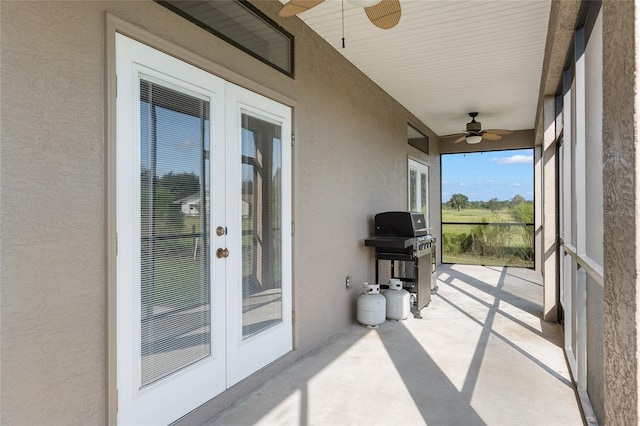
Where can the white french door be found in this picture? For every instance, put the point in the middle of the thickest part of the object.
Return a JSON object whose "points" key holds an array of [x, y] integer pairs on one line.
{"points": [[204, 223], [259, 328]]}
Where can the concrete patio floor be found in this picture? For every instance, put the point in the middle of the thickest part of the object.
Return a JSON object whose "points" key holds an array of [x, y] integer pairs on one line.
{"points": [[480, 355]]}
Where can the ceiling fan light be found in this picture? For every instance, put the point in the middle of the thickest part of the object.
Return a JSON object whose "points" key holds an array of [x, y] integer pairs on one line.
{"points": [[472, 139], [364, 3]]}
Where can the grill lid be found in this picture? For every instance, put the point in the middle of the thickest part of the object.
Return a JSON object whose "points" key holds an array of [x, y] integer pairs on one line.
{"points": [[400, 224]]}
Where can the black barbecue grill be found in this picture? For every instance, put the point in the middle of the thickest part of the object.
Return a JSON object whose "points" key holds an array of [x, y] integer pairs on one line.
{"points": [[404, 237]]}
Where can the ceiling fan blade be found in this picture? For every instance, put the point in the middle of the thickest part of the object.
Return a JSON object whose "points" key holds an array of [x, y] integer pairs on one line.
{"points": [[297, 6], [499, 131], [385, 14], [460, 139], [491, 137], [453, 134]]}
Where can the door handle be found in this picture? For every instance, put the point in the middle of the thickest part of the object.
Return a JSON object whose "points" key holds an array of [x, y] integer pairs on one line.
{"points": [[222, 253], [220, 231]]}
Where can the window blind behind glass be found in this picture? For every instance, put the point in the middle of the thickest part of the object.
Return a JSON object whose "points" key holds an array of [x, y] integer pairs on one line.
{"points": [[174, 207], [423, 193]]}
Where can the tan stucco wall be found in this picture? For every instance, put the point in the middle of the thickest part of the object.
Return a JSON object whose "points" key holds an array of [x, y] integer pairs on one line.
{"points": [[620, 168], [350, 163], [52, 289], [562, 18]]}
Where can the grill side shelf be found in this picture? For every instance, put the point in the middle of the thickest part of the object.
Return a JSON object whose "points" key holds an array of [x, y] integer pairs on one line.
{"points": [[389, 242]]}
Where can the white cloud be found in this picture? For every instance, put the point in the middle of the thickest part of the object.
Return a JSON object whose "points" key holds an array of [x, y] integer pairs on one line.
{"points": [[461, 184], [514, 159]]}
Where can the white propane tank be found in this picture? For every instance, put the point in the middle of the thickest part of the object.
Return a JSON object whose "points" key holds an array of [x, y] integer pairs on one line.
{"points": [[398, 301], [371, 306]]}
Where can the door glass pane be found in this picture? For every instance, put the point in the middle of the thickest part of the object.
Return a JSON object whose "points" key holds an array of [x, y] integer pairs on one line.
{"points": [[174, 192], [261, 225], [413, 190], [423, 193]]}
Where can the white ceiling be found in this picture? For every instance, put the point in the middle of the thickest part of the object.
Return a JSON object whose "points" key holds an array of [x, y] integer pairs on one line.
{"points": [[449, 57]]}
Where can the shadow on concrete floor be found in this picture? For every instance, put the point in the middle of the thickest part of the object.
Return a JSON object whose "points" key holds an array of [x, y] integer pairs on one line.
{"points": [[480, 356]]}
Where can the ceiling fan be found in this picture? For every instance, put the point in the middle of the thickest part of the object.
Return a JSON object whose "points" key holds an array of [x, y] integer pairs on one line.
{"points": [[475, 134], [383, 14]]}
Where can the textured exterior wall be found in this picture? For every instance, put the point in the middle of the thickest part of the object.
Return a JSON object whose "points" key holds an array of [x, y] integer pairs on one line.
{"points": [[351, 148], [620, 168], [52, 334], [562, 18], [435, 196], [350, 163]]}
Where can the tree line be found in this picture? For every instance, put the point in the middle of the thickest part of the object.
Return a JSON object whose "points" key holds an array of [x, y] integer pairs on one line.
{"points": [[461, 201], [159, 200]]}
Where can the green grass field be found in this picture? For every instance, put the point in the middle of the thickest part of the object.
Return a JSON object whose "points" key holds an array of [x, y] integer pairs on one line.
{"points": [[512, 242], [473, 259], [178, 278], [475, 215]]}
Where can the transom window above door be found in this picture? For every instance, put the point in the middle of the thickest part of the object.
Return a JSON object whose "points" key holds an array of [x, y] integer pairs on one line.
{"points": [[241, 24]]}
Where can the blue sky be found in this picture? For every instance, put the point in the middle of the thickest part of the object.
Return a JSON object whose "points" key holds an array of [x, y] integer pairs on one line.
{"points": [[485, 175]]}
